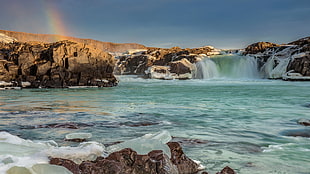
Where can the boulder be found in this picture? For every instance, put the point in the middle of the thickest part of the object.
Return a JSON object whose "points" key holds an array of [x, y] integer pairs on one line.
{"points": [[56, 65], [226, 170], [181, 69]]}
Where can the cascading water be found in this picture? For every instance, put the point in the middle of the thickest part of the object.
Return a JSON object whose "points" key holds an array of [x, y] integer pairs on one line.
{"points": [[227, 66]]}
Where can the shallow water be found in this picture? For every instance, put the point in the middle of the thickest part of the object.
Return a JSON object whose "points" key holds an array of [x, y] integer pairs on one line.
{"points": [[239, 123]]}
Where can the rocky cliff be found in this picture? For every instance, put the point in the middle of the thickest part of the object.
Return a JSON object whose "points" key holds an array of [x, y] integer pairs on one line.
{"points": [[54, 65], [162, 63], [49, 38], [287, 61]]}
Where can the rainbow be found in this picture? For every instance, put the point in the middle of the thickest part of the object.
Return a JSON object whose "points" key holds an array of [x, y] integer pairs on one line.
{"points": [[55, 21]]}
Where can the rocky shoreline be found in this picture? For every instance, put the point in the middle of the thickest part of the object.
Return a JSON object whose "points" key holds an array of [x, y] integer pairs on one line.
{"points": [[128, 161]]}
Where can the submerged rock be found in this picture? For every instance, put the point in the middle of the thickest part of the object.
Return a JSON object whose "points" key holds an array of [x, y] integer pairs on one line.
{"points": [[78, 137], [297, 133], [304, 122]]}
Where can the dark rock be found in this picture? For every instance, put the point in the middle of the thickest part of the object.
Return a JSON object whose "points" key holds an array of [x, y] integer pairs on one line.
{"points": [[227, 170], [70, 165], [304, 122], [138, 124], [189, 142], [56, 65], [178, 158], [127, 161], [297, 133], [138, 64], [300, 65], [69, 125]]}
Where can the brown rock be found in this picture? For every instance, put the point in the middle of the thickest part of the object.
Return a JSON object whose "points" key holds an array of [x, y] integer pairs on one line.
{"points": [[300, 65], [55, 65], [259, 47], [103, 46], [181, 67], [70, 165], [227, 170], [127, 161], [178, 158]]}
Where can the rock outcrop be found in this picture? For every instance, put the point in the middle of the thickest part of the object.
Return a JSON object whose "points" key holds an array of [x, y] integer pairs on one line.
{"points": [[173, 63], [54, 65], [127, 161], [259, 47], [50, 38], [287, 62]]}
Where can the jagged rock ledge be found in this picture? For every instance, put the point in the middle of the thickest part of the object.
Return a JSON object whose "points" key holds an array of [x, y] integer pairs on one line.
{"points": [[54, 65], [127, 161]]}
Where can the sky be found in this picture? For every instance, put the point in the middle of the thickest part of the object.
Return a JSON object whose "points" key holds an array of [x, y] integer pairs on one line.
{"points": [[163, 23]]}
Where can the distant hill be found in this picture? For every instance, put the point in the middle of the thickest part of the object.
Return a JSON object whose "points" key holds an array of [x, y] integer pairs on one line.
{"points": [[104, 46]]}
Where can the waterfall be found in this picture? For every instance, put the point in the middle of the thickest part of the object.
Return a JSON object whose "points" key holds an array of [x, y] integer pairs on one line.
{"points": [[227, 66], [206, 69]]}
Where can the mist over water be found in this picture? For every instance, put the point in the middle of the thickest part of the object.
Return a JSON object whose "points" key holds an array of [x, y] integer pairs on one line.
{"points": [[227, 66]]}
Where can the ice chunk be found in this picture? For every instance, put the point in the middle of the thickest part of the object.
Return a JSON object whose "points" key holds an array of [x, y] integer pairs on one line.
{"points": [[85, 151], [146, 143], [49, 169], [18, 170], [78, 136]]}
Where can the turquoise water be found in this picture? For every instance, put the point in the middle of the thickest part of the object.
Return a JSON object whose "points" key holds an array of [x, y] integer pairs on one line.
{"points": [[239, 123]]}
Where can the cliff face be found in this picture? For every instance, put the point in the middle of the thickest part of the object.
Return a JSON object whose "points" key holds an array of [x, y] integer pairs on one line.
{"points": [[104, 46], [59, 64]]}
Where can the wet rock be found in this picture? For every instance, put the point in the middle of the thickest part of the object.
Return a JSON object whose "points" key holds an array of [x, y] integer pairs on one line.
{"points": [[297, 133], [78, 137], [227, 170], [138, 124], [304, 122], [69, 125], [189, 142], [70, 165], [178, 158], [127, 161]]}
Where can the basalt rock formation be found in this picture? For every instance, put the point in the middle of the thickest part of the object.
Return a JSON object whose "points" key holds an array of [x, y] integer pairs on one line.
{"points": [[49, 38], [162, 63], [54, 65]]}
